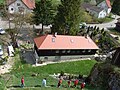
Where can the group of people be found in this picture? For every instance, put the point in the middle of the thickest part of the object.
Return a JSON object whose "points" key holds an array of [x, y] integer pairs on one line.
{"points": [[76, 82]]}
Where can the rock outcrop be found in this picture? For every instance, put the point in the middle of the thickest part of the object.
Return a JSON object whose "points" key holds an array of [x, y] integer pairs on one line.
{"points": [[105, 75]]}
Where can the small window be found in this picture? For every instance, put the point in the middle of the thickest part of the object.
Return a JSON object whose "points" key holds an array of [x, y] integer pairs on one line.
{"points": [[12, 9], [83, 51], [68, 51], [89, 51], [46, 58], [18, 4], [63, 51], [73, 51], [53, 39], [78, 51], [57, 51]]}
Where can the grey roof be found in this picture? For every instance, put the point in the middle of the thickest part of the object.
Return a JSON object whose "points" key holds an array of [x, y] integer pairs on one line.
{"points": [[87, 6]]}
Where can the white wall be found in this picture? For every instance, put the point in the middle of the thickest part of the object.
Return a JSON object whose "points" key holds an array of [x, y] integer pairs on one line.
{"points": [[109, 10], [14, 7], [104, 6], [102, 14]]}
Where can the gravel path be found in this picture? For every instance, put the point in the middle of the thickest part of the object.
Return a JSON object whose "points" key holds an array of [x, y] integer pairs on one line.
{"points": [[6, 68]]}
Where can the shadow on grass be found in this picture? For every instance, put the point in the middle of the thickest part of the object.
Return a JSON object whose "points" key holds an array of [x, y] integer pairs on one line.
{"points": [[53, 86], [37, 86], [15, 86]]}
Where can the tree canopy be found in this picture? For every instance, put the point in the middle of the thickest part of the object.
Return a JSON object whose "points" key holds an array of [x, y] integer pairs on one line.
{"points": [[43, 13], [68, 17], [116, 7]]}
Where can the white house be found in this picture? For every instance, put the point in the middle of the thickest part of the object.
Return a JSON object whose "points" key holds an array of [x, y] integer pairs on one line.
{"points": [[106, 6], [94, 10], [25, 6]]}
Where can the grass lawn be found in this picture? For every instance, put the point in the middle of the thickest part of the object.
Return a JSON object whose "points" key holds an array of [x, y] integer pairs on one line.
{"points": [[113, 31], [2, 1], [34, 83]]}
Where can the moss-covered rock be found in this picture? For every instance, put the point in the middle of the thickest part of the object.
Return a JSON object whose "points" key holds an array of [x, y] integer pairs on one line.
{"points": [[105, 75]]}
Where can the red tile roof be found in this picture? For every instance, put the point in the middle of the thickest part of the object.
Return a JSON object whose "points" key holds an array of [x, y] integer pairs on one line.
{"points": [[8, 2], [64, 42], [29, 3], [108, 3]]}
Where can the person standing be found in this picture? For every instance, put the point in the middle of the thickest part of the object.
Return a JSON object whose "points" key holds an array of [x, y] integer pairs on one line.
{"points": [[59, 82], [69, 82], [76, 82], [82, 85], [22, 82], [44, 82]]}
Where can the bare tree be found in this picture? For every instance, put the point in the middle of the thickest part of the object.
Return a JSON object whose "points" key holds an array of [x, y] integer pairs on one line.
{"points": [[16, 22]]}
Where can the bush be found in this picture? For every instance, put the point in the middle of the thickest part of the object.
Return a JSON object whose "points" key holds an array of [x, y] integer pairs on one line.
{"points": [[3, 60]]}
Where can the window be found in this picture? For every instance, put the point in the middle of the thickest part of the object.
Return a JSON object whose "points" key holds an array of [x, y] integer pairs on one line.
{"points": [[68, 51], [83, 51], [18, 4], [63, 51], [78, 51], [89, 51], [12, 9], [46, 58], [21, 9], [57, 51], [53, 39]]}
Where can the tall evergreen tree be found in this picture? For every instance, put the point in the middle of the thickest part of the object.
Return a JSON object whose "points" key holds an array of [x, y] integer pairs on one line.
{"points": [[43, 13], [116, 7], [68, 17]]}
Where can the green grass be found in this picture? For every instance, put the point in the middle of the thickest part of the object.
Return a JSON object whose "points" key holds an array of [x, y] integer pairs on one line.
{"points": [[21, 69], [2, 1], [113, 31]]}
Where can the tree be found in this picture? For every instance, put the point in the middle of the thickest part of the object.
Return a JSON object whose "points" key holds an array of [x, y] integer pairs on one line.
{"points": [[93, 2], [68, 17], [86, 17], [43, 13], [18, 20], [116, 7]]}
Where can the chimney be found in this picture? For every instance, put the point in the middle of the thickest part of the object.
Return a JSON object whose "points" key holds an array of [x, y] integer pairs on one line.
{"points": [[55, 34]]}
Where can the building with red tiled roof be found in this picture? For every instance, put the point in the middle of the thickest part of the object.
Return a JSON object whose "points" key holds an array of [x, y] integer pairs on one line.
{"points": [[105, 5], [25, 6], [64, 45], [94, 10]]}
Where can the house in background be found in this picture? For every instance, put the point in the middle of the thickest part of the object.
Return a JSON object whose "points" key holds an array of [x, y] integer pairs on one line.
{"points": [[100, 10], [94, 10], [24, 6], [106, 6], [63, 47]]}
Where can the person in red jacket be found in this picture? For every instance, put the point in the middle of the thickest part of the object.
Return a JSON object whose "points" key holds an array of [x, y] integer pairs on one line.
{"points": [[22, 82], [76, 82], [59, 82], [82, 85]]}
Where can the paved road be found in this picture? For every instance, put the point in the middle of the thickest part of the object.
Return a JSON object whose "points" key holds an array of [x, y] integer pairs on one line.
{"points": [[106, 25]]}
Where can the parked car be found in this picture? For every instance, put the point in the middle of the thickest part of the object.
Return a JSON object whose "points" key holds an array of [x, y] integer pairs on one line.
{"points": [[2, 31], [1, 50]]}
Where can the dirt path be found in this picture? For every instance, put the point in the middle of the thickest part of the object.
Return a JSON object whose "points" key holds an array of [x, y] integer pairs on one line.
{"points": [[6, 68]]}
